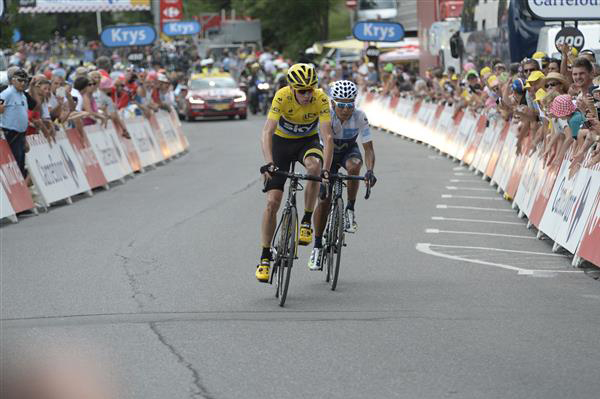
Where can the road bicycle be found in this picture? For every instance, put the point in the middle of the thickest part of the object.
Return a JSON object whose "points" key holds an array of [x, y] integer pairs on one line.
{"points": [[334, 234], [285, 239]]}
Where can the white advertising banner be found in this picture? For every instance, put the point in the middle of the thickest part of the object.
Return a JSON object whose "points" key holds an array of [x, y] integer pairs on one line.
{"points": [[143, 140], [484, 151], [568, 10], [50, 6], [464, 133], [444, 127], [6, 208], [508, 156], [53, 173], [559, 200], [109, 151], [168, 131], [531, 181], [574, 206], [72, 161]]}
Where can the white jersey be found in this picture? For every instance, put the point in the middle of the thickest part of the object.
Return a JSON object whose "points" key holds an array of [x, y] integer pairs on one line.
{"points": [[346, 134]]}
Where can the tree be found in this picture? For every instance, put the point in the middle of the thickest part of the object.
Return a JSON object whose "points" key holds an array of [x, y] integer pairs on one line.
{"points": [[289, 26]]}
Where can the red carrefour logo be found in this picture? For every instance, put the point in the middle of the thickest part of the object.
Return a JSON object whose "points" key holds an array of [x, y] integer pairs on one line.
{"points": [[171, 12]]}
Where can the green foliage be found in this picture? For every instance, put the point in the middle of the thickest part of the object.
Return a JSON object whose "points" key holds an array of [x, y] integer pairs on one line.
{"points": [[41, 27], [193, 8], [339, 21], [289, 25]]}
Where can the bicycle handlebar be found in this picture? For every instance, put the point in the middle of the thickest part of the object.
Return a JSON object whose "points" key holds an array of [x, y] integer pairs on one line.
{"points": [[300, 176], [340, 176]]}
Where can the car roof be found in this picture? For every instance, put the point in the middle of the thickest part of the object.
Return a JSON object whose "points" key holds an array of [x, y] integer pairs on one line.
{"points": [[205, 75]]}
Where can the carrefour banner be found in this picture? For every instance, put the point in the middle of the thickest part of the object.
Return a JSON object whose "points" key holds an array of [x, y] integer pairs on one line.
{"points": [[568, 10], [52, 6]]}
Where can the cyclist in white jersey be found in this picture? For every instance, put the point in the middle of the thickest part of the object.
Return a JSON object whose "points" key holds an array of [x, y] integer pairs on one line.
{"points": [[349, 125]]}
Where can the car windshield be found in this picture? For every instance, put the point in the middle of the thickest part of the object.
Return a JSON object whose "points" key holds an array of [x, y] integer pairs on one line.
{"points": [[213, 83], [377, 4]]}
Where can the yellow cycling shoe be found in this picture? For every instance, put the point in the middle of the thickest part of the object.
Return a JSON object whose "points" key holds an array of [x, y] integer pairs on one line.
{"points": [[305, 237], [263, 270]]}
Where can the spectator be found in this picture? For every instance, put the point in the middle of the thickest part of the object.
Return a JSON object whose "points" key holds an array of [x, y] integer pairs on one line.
{"points": [[39, 115], [107, 106], [528, 66], [553, 66], [583, 75], [555, 82], [13, 115], [372, 76], [119, 95]]}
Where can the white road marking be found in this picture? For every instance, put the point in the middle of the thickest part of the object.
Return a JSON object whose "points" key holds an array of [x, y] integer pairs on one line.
{"points": [[471, 197], [469, 188], [426, 249], [474, 220], [464, 181], [517, 251], [475, 208], [458, 168], [438, 231], [459, 174]]}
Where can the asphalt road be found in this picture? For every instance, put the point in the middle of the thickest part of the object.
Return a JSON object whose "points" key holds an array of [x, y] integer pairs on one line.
{"points": [[156, 278]]}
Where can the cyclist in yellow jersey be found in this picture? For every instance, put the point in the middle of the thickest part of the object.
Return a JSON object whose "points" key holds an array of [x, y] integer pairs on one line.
{"points": [[299, 113]]}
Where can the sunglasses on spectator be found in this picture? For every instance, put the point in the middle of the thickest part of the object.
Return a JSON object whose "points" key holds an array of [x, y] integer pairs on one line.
{"points": [[529, 70], [305, 92], [552, 84], [22, 80], [342, 105]]}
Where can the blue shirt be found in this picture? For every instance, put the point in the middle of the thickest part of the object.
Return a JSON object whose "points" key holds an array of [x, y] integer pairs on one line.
{"points": [[14, 116], [575, 122]]}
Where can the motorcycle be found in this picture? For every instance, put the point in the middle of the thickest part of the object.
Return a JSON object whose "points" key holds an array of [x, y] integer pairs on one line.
{"points": [[260, 95]]}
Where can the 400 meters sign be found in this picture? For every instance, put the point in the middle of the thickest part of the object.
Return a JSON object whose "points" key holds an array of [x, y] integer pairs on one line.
{"points": [[128, 35]]}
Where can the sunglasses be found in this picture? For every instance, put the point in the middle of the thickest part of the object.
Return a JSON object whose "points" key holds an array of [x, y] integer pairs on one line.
{"points": [[304, 92], [552, 84], [22, 80], [341, 105], [529, 70]]}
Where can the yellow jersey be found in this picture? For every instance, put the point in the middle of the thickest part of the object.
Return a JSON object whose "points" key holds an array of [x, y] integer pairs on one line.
{"points": [[295, 121]]}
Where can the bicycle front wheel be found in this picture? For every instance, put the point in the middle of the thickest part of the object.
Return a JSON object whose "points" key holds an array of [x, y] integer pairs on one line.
{"points": [[337, 244], [327, 252], [289, 229]]}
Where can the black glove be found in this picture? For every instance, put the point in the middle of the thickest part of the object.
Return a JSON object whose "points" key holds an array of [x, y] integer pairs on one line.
{"points": [[269, 168], [370, 177], [325, 174]]}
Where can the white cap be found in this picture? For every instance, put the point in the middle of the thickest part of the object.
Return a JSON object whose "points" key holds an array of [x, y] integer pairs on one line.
{"points": [[207, 61]]}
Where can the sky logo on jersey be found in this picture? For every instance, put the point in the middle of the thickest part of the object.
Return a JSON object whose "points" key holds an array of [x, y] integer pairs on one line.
{"points": [[377, 31]]}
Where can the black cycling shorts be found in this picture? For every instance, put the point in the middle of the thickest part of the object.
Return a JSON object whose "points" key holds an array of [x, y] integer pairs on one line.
{"points": [[340, 158], [286, 151]]}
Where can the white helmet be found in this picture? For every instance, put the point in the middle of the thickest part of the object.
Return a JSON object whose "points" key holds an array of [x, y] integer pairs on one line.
{"points": [[343, 90]]}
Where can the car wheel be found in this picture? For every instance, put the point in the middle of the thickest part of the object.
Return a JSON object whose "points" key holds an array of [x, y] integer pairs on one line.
{"points": [[244, 116]]}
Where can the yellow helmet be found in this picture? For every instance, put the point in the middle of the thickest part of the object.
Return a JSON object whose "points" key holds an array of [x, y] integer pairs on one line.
{"points": [[302, 77]]}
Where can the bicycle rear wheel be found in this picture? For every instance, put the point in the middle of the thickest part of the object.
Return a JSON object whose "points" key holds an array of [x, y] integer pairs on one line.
{"points": [[337, 243], [289, 229]]}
